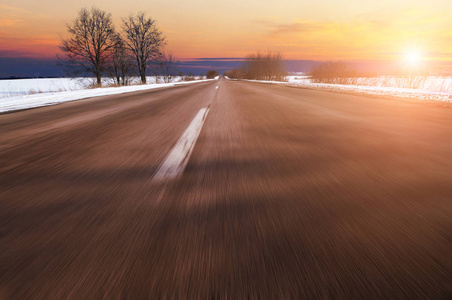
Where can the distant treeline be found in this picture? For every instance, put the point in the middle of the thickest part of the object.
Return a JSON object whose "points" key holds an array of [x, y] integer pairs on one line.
{"points": [[26, 77], [261, 66], [342, 73]]}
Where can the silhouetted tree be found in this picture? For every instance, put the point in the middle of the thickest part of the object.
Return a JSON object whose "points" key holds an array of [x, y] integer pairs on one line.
{"points": [[189, 77], [166, 67], [144, 40], [268, 66], [330, 72], [235, 74], [212, 74], [88, 48], [121, 62]]}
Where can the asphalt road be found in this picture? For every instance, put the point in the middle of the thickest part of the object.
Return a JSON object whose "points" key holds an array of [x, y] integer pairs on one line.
{"points": [[288, 193]]}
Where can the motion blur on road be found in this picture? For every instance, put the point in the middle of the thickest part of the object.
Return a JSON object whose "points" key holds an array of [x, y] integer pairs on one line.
{"points": [[286, 193]]}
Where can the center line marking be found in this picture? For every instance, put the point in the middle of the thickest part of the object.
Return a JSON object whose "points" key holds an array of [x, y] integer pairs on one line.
{"points": [[176, 161]]}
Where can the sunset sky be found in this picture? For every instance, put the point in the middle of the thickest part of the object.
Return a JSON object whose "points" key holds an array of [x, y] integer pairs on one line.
{"points": [[311, 30]]}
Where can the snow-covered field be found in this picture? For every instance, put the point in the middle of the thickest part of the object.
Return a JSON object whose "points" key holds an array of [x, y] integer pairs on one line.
{"points": [[429, 88], [19, 87], [54, 91]]}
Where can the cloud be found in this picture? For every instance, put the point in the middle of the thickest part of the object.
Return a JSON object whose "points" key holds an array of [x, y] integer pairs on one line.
{"points": [[9, 22], [220, 58], [5, 7], [296, 27], [24, 47]]}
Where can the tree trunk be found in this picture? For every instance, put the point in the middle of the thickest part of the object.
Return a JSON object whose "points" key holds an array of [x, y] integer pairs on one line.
{"points": [[99, 79], [143, 73], [143, 77]]}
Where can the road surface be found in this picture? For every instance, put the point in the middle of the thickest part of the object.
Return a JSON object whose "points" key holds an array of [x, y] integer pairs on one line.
{"points": [[286, 193]]}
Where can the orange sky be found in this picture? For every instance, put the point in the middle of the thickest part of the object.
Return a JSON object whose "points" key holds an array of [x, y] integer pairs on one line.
{"points": [[319, 30]]}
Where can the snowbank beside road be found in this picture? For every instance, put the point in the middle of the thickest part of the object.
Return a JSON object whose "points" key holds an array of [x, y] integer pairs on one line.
{"points": [[422, 94], [44, 99], [20, 87]]}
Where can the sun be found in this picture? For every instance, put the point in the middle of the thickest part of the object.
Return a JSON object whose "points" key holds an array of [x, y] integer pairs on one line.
{"points": [[413, 57]]}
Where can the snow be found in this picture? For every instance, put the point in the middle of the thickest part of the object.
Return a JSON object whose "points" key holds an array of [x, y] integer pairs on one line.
{"points": [[429, 83], [432, 88], [51, 97], [18, 87]]}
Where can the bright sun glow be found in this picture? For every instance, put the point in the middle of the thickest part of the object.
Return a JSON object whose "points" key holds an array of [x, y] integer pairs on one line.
{"points": [[413, 57]]}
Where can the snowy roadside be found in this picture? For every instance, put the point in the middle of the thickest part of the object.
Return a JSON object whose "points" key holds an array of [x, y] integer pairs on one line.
{"points": [[10, 104], [420, 94]]}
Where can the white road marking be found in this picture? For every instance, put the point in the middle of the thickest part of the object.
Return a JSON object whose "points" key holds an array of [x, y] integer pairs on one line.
{"points": [[176, 161], [217, 87]]}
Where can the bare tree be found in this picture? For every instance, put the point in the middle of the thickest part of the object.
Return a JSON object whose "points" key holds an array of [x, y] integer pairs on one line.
{"points": [[331, 72], [121, 62], [268, 66], [235, 74], [166, 67], [189, 77], [144, 40], [88, 48], [211, 74]]}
